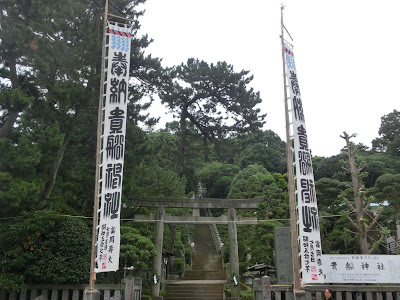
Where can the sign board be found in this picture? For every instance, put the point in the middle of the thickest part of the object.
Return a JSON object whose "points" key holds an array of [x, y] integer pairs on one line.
{"points": [[361, 268]]}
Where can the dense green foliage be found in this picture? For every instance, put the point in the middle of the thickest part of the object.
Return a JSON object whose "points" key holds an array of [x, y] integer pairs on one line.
{"points": [[43, 248], [389, 134], [49, 82]]}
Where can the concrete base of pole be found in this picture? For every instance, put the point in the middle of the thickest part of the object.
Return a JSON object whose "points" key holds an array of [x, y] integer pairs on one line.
{"points": [[91, 294], [235, 291], [299, 295]]}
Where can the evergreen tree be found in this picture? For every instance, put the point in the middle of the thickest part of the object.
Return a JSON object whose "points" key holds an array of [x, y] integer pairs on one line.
{"points": [[389, 131], [51, 58], [214, 99]]}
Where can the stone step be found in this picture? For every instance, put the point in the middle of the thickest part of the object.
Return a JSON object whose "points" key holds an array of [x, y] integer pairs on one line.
{"points": [[206, 290], [207, 278], [193, 297], [194, 291], [203, 291], [209, 275]]}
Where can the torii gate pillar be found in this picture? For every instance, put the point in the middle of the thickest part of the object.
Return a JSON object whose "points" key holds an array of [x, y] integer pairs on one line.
{"points": [[233, 251], [157, 260], [196, 205]]}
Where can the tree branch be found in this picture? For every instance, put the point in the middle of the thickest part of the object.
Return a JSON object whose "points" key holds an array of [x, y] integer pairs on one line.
{"points": [[349, 204], [352, 222], [375, 220], [376, 244], [369, 202]]}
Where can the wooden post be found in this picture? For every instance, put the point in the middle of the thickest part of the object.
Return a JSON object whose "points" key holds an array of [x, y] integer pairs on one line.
{"points": [[289, 158], [91, 293]]}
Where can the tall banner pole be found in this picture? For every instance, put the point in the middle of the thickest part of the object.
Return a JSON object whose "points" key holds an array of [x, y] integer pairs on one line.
{"points": [[289, 159], [305, 195], [92, 277], [111, 130], [91, 293], [115, 115]]}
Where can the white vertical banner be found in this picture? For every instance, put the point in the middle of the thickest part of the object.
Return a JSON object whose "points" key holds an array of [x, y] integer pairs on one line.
{"points": [[309, 235], [113, 146]]}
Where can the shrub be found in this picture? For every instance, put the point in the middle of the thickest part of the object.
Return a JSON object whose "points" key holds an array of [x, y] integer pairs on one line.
{"points": [[244, 295], [188, 256], [178, 267], [44, 248]]}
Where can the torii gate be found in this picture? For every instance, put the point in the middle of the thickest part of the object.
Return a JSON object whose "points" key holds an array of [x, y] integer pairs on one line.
{"points": [[196, 203]]}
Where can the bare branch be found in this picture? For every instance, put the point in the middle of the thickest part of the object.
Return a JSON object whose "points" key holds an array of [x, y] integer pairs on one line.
{"points": [[353, 232], [352, 222], [369, 202], [375, 219], [346, 136], [355, 148], [376, 244], [349, 204]]}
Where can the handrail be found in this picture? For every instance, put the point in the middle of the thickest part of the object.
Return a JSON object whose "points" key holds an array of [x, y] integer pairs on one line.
{"points": [[214, 233]]}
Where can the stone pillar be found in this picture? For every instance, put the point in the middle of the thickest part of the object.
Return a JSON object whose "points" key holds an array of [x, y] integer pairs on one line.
{"points": [[283, 255], [257, 289], [233, 251], [266, 287], [398, 237], [300, 294], [89, 294], [129, 287], [157, 260]]}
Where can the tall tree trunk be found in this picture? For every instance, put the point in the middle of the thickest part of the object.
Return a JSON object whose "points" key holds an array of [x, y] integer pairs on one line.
{"points": [[182, 142], [206, 150], [54, 171], [359, 202], [5, 130], [60, 156], [13, 112]]}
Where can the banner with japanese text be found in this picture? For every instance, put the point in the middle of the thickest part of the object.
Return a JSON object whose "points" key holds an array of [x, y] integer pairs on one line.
{"points": [[361, 268], [113, 146], [309, 234]]}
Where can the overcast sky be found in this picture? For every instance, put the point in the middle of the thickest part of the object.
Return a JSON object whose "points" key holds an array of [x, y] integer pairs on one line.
{"points": [[346, 54]]}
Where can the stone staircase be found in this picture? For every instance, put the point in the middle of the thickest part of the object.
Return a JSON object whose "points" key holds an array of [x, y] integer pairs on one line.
{"points": [[207, 277]]}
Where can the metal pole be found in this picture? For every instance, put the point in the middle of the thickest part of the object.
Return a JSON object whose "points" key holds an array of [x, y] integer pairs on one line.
{"points": [[92, 278], [289, 158]]}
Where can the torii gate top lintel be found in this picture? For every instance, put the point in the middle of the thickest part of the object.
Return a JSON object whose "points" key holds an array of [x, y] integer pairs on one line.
{"points": [[196, 202]]}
